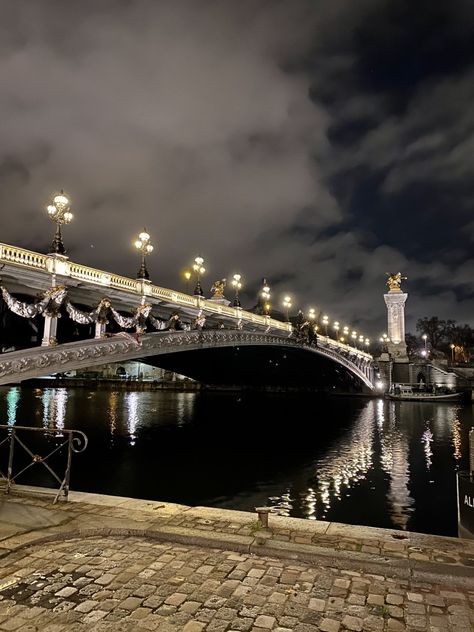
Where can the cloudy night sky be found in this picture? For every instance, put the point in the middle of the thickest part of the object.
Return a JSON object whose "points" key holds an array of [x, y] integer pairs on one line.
{"points": [[318, 144]]}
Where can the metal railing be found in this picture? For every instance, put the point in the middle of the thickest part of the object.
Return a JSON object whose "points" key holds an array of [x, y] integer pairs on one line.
{"points": [[71, 440]]}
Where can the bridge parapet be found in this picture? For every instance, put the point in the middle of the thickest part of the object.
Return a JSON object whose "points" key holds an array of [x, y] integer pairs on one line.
{"points": [[22, 257]]}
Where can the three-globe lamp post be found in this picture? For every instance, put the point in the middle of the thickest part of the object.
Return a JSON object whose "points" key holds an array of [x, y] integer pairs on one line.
{"points": [[265, 296], [287, 305], [199, 269], [237, 285], [59, 212], [144, 247], [325, 322]]}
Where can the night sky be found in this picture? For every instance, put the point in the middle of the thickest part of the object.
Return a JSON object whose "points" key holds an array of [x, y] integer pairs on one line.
{"points": [[317, 144]]}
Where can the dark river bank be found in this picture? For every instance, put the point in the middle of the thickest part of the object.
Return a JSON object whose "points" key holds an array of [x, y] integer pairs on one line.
{"points": [[359, 461]]}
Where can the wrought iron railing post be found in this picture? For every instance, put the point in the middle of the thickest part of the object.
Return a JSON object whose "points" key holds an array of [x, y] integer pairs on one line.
{"points": [[10, 460], [67, 475], [76, 441]]}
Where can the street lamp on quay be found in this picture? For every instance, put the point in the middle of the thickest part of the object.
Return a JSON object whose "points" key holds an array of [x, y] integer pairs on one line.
{"points": [[199, 269], [237, 285], [287, 305], [452, 347], [325, 322], [59, 212], [424, 351], [143, 245]]}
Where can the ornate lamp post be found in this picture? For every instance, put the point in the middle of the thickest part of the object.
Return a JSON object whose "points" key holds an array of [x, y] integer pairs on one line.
{"points": [[265, 297], [143, 245], [312, 314], [237, 285], [59, 211], [367, 344], [325, 323], [187, 276], [384, 341], [287, 305], [199, 269], [354, 338], [336, 328]]}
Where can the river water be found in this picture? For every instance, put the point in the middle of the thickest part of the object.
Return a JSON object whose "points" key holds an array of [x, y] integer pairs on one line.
{"points": [[359, 461]]}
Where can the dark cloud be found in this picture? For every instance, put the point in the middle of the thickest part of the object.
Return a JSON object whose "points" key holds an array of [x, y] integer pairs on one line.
{"points": [[317, 144]]}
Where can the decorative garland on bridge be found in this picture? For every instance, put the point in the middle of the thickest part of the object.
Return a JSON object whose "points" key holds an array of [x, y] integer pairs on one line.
{"points": [[47, 305], [50, 302]]}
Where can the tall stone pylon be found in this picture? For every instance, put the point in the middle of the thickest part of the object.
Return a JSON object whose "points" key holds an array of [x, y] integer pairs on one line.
{"points": [[395, 300]]}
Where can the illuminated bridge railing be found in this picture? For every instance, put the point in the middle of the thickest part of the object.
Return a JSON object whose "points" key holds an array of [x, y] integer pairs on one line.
{"points": [[49, 264], [21, 257]]}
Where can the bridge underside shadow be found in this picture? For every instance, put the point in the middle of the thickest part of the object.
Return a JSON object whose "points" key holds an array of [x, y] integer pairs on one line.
{"points": [[254, 366]]}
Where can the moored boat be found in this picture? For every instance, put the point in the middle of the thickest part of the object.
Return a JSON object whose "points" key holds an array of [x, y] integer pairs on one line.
{"points": [[416, 393]]}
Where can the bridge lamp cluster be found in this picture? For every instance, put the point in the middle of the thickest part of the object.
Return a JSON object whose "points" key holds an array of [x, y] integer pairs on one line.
{"points": [[199, 269], [287, 305], [265, 295], [336, 327], [312, 314], [237, 285], [59, 211], [144, 247], [325, 321]]}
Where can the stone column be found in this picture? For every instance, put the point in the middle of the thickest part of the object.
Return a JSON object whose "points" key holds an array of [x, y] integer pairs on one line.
{"points": [[49, 332], [99, 330], [395, 302]]}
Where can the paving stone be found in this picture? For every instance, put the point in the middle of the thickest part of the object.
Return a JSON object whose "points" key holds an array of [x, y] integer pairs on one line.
{"points": [[263, 621], [329, 625]]}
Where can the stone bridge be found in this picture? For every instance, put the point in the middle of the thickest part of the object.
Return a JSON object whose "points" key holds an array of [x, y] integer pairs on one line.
{"points": [[28, 273]]}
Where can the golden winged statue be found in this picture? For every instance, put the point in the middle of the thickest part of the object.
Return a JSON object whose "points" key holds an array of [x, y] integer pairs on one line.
{"points": [[394, 281]]}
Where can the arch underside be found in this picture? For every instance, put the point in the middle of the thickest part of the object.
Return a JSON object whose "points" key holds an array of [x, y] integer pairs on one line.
{"points": [[211, 356]]}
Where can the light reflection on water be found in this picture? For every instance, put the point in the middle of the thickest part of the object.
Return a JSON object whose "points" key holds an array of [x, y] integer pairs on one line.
{"points": [[374, 462]]}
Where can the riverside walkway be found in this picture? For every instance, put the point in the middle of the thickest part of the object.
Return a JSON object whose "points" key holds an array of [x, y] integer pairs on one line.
{"points": [[103, 563]]}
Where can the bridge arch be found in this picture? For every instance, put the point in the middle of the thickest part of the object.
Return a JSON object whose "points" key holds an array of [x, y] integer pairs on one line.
{"points": [[40, 361]]}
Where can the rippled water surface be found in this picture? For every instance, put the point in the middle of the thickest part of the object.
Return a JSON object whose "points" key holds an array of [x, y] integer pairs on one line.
{"points": [[370, 462]]}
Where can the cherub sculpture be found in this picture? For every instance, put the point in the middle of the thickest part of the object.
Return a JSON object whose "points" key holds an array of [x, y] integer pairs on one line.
{"points": [[394, 281]]}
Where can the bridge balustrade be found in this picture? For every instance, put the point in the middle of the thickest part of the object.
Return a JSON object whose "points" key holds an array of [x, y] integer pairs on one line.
{"points": [[19, 256]]}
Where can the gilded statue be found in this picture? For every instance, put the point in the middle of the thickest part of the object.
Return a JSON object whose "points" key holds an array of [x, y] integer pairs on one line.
{"points": [[394, 281], [217, 289]]}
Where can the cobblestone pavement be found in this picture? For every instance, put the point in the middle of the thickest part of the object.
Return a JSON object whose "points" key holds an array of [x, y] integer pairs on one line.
{"points": [[137, 584]]}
